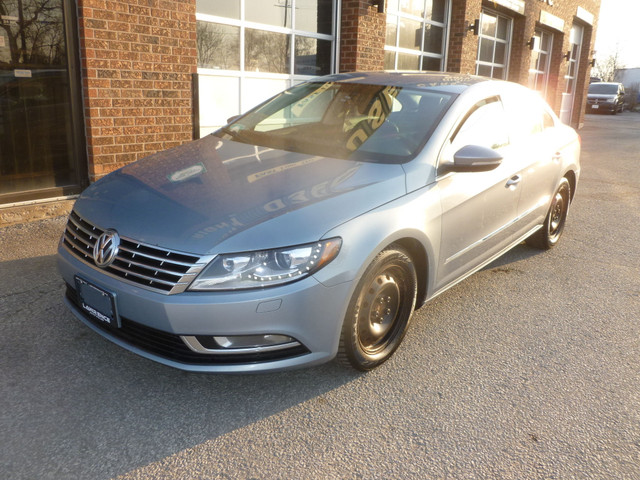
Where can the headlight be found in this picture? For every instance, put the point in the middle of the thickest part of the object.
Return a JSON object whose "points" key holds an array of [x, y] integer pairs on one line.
{"points": [[266, 268], [611, 100]]}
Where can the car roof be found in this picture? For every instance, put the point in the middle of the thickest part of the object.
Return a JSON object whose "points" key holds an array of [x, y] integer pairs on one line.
{"points": [[441, 81]]}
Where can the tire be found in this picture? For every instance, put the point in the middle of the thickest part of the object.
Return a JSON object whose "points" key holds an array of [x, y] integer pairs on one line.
{"points": [[379, 311], [549, 235]]}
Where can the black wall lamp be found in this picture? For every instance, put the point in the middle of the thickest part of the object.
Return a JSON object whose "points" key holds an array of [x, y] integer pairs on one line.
{"points": [[379, 4], [567, 56], [531, 43], [474, 27], [592, 62]]}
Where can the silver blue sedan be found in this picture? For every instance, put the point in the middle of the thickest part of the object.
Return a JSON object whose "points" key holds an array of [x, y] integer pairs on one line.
{"points": [[312, 226]]}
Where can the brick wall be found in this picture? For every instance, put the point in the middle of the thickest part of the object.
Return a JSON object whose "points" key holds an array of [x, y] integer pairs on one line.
{"points": [[463, 44], [362, 36], [137, 59]]}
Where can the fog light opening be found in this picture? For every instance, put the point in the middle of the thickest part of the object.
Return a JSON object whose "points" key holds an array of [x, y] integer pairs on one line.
{"points": [[238, 344], [252, 341]]}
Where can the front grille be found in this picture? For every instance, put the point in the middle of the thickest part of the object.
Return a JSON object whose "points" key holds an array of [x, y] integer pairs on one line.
{"points": [[152, 267], [171, 346]]}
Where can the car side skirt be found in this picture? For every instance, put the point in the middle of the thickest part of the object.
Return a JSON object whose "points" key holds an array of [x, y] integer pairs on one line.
{"points": [[486, 262]]}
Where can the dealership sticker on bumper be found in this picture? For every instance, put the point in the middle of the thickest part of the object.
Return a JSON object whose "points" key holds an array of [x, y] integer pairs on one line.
{"points": [[98, 303]]}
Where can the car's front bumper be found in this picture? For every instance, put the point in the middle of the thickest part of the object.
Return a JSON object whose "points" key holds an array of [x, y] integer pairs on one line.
{"points": [[153, 324], [602, 107]]}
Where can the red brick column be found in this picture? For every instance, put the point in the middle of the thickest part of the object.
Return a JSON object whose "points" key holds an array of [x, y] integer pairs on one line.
{"points": [[463, 44], [137, 59], [362, 36]]}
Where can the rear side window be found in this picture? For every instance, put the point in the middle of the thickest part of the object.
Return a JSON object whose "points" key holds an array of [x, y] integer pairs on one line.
{"points": [[527, 115], [485, 125]]}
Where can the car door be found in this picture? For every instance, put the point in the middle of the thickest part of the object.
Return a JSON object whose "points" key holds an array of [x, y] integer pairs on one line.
{"points": [[478, 208], [538, 145]]}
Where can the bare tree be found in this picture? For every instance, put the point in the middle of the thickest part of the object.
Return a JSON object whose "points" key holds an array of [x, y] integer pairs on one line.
{"points": [[34, 30], [606, 69], [218, 46]]}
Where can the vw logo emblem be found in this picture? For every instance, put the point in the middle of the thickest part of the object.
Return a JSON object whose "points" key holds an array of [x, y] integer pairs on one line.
{"points": [[106, 248]]}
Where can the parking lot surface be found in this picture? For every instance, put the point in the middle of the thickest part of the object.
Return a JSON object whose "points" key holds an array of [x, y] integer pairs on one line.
{"points": [[530, 369]]}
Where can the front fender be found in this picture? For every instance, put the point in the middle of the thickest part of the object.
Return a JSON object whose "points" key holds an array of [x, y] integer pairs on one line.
{"points": [[415, 217]]}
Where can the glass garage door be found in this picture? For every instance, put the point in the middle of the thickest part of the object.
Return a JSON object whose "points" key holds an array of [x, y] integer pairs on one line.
{"points": [[249, 50]]}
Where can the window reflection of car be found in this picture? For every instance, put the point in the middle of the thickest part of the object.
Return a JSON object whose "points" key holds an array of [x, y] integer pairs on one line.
{"points": [[605, 97], [312, 226]]}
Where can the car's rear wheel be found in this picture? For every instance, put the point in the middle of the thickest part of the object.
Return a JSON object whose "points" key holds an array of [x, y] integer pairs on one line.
{"points": [[550, 233], [379, 312]]}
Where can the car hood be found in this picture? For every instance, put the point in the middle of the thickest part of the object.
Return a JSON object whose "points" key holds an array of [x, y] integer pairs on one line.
{"points": [[214, 196]]}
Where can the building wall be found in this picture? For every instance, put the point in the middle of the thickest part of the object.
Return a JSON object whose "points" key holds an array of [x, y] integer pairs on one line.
{"points": [[463, 44], [362, 36], [138, 57], [137, 60]]}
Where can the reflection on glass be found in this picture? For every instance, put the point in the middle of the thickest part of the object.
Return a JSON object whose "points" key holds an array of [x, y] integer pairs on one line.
{"points": [[314, 15], [431, 63], [389, 60], [501, 50], [542, 65], [533, 63], [498, 72], [226, 8], [503, 28], [218, 46], [410, 34], [392, 30], [313, 56], [35, 119], [486, 50], [435, 10], [266, 51], [569, 86], [412, 7], [484, 70], [39, 39], [545, 44], [376, 123], [432, 39], [393, 5], [271, 12], [408, 62], [488, 25]]}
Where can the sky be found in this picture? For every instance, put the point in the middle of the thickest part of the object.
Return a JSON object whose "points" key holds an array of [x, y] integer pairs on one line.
{"points": [[618, 26]]}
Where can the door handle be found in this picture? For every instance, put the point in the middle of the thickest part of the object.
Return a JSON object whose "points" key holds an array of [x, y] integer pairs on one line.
{"points": [[514, 181]]}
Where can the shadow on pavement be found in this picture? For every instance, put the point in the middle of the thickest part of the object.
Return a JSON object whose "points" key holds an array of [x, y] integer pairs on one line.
{"points": [[77, 406]]}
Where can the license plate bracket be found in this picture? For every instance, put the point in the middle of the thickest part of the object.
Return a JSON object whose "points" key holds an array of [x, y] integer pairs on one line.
{"points": [[97, 303]]}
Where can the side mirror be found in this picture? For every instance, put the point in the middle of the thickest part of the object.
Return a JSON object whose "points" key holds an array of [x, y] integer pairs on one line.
{"points": [[233, 119], [475, 158]]}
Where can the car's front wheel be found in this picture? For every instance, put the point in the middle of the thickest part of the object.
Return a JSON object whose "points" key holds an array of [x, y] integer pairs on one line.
{"points": [[379, 312], [548, 236]]}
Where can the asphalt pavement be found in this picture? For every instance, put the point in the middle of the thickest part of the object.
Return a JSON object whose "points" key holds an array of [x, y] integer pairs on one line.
{"points": [[529, 369]]}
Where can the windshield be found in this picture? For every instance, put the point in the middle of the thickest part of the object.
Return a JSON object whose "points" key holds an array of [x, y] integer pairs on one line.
{"points": [[604, 88], [379, 123]]}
